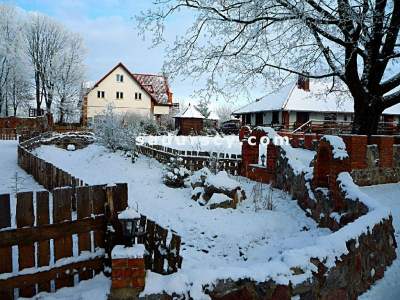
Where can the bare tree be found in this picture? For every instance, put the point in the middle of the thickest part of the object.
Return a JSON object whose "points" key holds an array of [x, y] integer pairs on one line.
{"points": [[224, 112], [8, 34], [45, 39], [243, 41], [69, 77]]}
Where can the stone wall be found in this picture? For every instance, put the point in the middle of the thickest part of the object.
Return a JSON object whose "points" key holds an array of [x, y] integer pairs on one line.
{"points": [[40, 124]]}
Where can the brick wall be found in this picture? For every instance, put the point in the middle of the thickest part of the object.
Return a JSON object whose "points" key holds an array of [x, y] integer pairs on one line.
{"points": [[128, 272]]}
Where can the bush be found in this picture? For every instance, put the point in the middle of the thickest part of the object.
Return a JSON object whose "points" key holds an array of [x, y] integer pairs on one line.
{"points": [[175, 175]]}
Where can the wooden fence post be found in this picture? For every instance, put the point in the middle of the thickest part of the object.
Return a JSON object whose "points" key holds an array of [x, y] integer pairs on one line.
{"points": [[26, 253], [42, 218], [5, 252]]}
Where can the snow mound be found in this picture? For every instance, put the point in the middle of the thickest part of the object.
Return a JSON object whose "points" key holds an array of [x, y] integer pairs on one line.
{"points": [[120, 251], [339, 147], [222, 181]]}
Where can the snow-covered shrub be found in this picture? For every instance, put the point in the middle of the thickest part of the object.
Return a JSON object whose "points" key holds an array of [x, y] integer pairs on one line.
{"points": [[175, 175], [120, 131]]}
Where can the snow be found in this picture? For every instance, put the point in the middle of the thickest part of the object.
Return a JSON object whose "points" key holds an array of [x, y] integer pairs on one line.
{"points": [[12, 177], [222, 181], [120, 251], [128, 213], [387, 288], [216, 243], [97, 288], [71, 147], [191, 112], [221, 244], [339, 147], [218, 198], [229, 144]]}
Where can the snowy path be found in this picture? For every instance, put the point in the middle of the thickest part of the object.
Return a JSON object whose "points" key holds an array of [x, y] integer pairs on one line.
{"points": [[214, 240], [12, 177], [387, 288]]}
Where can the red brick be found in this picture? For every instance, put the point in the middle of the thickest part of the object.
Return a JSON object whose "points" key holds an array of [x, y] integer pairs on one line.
{"points": [[130, 273], [137, 282], [120, 283], [119, 263], [118, 273], [136, 262]]}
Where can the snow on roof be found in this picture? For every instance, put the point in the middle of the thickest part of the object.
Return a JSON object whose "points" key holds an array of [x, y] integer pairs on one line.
{"points": [[319, 99], [191, 112], [156, 85], [273, 101], [213, 116]]}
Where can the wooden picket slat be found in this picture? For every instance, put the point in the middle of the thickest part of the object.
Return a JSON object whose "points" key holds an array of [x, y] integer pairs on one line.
{"points": [[6, 293], [43, 218], [62, 246], [98, 199], [26, 253], [84, 239]]}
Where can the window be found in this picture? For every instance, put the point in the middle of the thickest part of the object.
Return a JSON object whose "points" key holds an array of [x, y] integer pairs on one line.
{"points": [[120, 95], [330, 117], [100, 94], [120, 78], [275, 117], [138, 96]]}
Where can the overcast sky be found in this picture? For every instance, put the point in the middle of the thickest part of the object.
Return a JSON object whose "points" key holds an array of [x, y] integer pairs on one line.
{"points": [[110, 35]]}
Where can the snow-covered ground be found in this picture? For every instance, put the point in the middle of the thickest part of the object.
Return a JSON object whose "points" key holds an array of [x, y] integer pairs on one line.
{"points": [[216, 242], [222, 144], [387, 288], [12, 177]]}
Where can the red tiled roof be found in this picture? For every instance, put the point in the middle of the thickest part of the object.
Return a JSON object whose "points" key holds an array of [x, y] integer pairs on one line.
{"points": [[155, 85]]}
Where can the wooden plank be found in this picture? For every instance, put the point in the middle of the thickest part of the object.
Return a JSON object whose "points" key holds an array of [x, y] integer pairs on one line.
{"points": [[44, 276], [173, 253], [97, 196], [26, 236], [63, 245], [149, 244], [26, 253], [84, 239], [160, 238], [121, 203], [5, 251], [42, 218]]}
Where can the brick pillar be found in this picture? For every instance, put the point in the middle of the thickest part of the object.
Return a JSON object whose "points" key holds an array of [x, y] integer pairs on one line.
{"points": [[385, 146], [128, 272], [272, 154], [356, 146]]}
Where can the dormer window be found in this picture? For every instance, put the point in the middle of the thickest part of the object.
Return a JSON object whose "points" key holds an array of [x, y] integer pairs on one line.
{"points": [[138, 96], [120, 78]]}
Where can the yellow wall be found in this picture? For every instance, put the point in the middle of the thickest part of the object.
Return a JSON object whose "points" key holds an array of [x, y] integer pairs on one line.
{"points": [[161, 110], [126, 105]]}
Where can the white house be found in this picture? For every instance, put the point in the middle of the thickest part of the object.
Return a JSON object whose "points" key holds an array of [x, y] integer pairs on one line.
{"points": [[144, 94], [299, 102]]}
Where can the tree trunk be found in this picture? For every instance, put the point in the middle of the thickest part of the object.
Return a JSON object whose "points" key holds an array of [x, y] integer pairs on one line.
{"points": [[367, 114], [37, 90]]}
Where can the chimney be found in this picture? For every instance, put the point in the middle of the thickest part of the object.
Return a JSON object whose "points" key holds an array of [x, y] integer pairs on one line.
{"points": [[303, 82]]}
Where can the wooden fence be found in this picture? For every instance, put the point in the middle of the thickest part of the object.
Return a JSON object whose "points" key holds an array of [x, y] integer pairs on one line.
{"points": [[8, 134], [195, 160], [44, 172], [159, 253], [56, 247]]}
